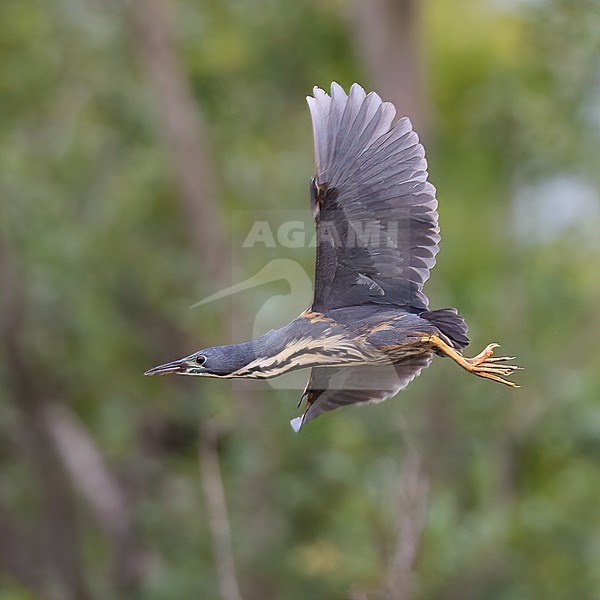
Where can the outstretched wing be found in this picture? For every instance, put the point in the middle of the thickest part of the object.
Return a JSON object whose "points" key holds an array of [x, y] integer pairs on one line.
{"points": [[375, 211], [331, 387]]}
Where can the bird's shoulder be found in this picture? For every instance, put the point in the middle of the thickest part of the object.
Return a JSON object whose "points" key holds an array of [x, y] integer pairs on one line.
{"points": [[364, 320]]}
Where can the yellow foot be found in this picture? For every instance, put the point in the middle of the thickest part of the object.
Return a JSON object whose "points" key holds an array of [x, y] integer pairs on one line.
{"points": [[485, 365]]}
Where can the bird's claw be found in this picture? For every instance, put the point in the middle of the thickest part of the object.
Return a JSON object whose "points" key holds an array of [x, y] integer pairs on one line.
{"points": [[485, 365], [485, 354]]}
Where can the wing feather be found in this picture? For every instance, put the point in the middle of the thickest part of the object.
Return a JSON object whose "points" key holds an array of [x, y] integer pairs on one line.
{"points": [[370, 175], [333, 387]]}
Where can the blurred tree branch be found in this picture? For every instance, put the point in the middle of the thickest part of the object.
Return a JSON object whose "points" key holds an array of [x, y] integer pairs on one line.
{"points": [[101, 489], [190, 160], [184, 132], [413, 496], [214, 492], [388, 35]]}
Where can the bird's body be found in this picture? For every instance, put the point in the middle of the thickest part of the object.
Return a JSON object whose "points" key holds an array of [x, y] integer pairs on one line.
{"points": [[337, 338], [368, 332]]}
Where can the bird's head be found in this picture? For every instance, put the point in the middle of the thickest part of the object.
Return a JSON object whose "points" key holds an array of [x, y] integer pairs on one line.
{"points": [[219, 361]]}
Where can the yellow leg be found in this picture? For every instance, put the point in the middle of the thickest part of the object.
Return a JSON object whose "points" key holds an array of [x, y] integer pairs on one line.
{"points": [[483, 365]]}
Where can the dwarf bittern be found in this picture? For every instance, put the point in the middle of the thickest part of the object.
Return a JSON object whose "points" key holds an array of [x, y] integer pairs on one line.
{"points": [[369, 331]]}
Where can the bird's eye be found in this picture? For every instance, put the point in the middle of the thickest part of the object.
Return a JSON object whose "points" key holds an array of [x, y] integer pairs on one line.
{"points": [[200, 360]]}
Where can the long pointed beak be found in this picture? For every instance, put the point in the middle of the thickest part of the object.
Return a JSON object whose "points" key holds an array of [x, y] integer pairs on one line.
{"points": [[176, 366]]}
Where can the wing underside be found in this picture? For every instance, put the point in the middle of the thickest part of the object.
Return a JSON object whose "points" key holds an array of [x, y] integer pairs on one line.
{"points": [[332, 387]]}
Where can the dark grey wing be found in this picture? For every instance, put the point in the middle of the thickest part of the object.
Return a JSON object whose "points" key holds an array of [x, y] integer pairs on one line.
{"points": [[331, 387], [375, 211]]}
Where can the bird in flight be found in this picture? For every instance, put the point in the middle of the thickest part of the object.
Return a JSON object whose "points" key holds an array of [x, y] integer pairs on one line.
{"points": [[369, 331]]}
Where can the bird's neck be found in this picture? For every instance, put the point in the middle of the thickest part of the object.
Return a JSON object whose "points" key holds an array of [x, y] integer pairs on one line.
{"points": [[297, 345], [265, 356]]}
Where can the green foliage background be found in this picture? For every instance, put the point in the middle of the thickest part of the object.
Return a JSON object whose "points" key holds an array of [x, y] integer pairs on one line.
{"points": [[90, 216]]}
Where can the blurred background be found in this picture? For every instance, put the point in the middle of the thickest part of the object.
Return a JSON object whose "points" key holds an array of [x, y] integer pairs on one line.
{"points": [[139, 139]]}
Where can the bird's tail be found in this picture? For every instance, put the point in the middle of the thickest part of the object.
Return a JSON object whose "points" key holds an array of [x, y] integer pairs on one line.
{"points": [[451, 324]]}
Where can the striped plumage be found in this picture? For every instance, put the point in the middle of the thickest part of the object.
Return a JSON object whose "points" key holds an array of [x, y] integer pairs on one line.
{"points": [[368, 332]]}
